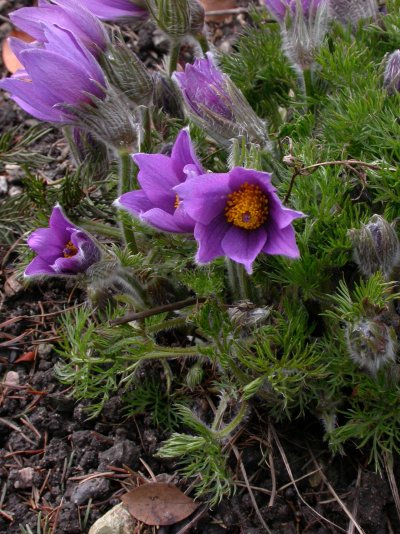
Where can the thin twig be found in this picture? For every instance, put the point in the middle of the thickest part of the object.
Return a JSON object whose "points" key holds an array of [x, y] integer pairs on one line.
{"points": [[354, 510], [272, 470], [135, 316], [388, 458], [253, 500], [193, 521]]}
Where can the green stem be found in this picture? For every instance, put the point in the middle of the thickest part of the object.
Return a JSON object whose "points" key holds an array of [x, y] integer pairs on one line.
{"points": [[173, 57], [309, 87], [99, 228], [238, 280], [203, 42], [145, 141], [230, 427], [126, 185]]}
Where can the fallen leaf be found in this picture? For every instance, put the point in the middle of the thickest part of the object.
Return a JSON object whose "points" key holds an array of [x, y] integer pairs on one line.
{"points": [[218, 5], [159, 503], [26, 357], [9, 58]]}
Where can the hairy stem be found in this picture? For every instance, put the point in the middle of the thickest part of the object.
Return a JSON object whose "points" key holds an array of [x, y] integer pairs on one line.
{"points": [[126, 185]]}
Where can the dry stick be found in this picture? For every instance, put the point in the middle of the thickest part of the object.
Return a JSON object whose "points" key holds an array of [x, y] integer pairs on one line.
{"points": [[392, 481], [335, 495], [272, 470], [253, 500], [354, 511], [289, 472], [345, 162], [135, 316], [193, 521]]}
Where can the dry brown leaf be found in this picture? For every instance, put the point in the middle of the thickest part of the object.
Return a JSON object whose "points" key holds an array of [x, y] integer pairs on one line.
{"points": [[159, 503], [217, 5], [9, 58]]}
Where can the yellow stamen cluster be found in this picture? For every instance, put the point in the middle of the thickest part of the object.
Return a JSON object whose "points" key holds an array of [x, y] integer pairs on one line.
{"points": [[176, 203], [247, 207], [70, 250]]}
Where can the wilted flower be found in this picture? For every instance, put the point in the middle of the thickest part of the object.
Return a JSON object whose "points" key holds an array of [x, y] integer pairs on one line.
{"points": [[65, 14], [376, 247], [303, 24], [352, 11], [116, 9], [62, 249], [371, 343], [239, 215], [391, 78], [61, 71], [216, 104], [157, 203]]}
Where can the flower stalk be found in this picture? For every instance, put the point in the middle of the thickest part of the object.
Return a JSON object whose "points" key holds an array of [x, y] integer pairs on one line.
{"points": [[126, 185]]}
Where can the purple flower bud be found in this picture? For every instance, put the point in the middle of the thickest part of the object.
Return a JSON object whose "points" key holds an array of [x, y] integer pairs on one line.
{"points": [[65, 14], [60, 71], [116, 9], [279, 8], [62, 249], [157, 203], [352, 11], [238, 215], [216, 104], [391, 78]]}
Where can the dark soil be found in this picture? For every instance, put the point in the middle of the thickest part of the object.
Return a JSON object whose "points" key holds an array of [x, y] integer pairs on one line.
{"points": [[51, 451]]}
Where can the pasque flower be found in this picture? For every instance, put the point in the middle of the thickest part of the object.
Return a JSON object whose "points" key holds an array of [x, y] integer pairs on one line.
{"points": [[239, 215], [62, 249], [391, 77], [116, 9], [352, 11], [65, 14], [60, 71], [157, 203], [279, 8], [216, 104]]}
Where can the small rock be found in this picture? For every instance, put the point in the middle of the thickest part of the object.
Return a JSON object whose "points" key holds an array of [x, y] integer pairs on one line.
{"points": [[116, 521], [3, 185], [12, 378], [24, 478], [12, 286], [90, 489], [15, 172], [123, 452], [14, 191]]}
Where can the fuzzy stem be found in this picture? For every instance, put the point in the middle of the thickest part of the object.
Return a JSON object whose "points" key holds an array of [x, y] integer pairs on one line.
{"points": [[308, 86], [203, 42], [99, 228], [126, 185], [230, 427], [173, 57], [145, 122]]}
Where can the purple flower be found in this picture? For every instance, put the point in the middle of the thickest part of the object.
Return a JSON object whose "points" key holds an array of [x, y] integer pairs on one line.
{"points": [[65, 14], [62, 249], [279, 8], [391, 76], [216, 104], [157, 203], [238, 214], [115, 9], [60, 71]]}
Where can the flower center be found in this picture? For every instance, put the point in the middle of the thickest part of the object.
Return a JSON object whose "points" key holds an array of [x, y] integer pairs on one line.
{"points": [[247, 207], [176, 203], [70, 250]]}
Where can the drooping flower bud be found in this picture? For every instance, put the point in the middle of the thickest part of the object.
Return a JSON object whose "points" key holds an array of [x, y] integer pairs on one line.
{"points": [[167, 97], [127, 72], [173, 17], [63, 249], [246, 315], [376, 247], [215, 103], [352, 11], [391, 78], [371, 344]]}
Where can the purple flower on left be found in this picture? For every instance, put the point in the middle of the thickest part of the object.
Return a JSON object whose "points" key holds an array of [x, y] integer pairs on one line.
{"points": [[65, 14], [58, 71], [62, 249], [116, 9]]}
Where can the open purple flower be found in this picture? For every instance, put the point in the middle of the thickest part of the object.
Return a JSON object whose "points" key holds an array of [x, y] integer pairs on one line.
{"points": [[238, 214], [157, 203], [60, 71], [62, 249], [65, 14], [216, 104], [116, 9]]}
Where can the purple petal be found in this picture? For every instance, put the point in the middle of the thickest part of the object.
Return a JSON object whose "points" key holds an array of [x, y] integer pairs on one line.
{"points": [[61, 225], [243, 246], [183, 154], [135, 202], [157, 177], [239, 176], [204, 197], [37, 267], [87, 248], [280, 215], [113, 9], [209, 239], [281, 242], [46, 243], [164, 221]]}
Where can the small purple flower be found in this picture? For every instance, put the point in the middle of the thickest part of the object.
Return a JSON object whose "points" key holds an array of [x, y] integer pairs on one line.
{"points": [[115, 9], [65, 14], [157, 203], [60, 71], [279, 8], [391, 78], [62, 249], [216, 104], [238, 214]]}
